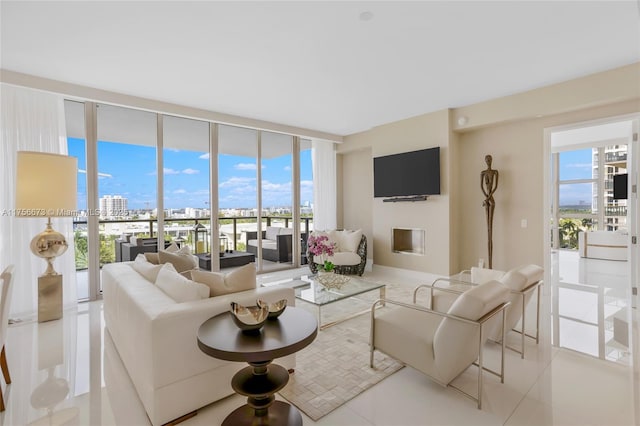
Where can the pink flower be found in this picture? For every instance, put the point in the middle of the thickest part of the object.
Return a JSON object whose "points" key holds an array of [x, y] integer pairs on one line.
{"points": [[320, 245]]}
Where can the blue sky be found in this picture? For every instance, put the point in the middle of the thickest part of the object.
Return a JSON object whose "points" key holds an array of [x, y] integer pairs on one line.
{"points": [[576, 165], [130, 171]]}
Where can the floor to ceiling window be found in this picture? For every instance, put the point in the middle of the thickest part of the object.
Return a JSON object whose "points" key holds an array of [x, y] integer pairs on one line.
{"points": [[238, 189], [276, 165], [255, 175], [77, 147], [127, 181], [186, 190], [306, 196]]}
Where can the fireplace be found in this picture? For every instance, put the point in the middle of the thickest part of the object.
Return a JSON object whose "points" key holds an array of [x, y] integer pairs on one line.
{"points": [[406, 240]]}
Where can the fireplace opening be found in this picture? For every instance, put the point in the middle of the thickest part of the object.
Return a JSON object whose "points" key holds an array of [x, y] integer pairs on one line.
{"points": [[406, 240]]}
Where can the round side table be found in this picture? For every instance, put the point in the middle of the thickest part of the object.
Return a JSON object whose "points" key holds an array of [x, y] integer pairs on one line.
{"points": [[220, 338]]}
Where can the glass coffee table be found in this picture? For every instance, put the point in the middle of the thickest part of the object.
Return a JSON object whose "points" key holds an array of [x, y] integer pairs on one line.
{"points": [[310, 290]]}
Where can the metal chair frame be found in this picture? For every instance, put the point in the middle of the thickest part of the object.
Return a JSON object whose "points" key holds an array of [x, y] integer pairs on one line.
{"points": [[479, 323], [531, 287]]}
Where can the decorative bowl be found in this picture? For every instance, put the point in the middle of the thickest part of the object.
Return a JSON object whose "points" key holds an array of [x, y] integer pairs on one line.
{"points": [[249, 318], [331, 279], [275, 309]]}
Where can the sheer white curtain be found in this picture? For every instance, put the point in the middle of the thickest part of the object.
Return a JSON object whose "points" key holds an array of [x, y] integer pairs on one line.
{"points": [[325, 207], [30, 121]]}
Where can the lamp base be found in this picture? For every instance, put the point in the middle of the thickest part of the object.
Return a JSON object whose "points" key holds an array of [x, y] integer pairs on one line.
{"points": [[49, 297]]}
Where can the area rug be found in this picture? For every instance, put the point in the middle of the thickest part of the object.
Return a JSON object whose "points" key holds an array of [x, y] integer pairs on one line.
{"points": [[335, 367]]}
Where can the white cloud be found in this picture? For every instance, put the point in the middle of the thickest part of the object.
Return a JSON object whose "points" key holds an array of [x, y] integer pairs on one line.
{"points": [[235, 182], [287, 168], [190, 171], [100, 174], [245, 166], [180, 191], [276, 187], [204, 156], [579, 165], [168, 171]]}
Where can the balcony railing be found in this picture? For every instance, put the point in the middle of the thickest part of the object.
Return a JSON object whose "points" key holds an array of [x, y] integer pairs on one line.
{"points": [[615, 157], [615, 211], [180, 229]]}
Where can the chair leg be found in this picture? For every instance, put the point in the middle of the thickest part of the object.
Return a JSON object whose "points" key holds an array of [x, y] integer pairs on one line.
{"points": [[524, 330], [480, 366], [4, 366], [1, 401]]}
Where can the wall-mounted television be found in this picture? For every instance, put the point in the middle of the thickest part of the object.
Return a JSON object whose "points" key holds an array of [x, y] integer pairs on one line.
{"points": [[414, 173], [620, 187]]}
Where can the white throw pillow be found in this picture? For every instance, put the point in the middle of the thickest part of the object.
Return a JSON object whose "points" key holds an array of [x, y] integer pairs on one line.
{"points": [[172, 248], [152, 257], [182, 262], [350, 240], [147, 269], [178, 287], [272, 233], [334, 237], [241, 279]]}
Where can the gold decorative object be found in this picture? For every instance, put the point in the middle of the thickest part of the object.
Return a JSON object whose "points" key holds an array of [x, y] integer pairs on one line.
{"points": [[275, 309], [250, 318], [489, 184], [46, 186], [331, 279]]}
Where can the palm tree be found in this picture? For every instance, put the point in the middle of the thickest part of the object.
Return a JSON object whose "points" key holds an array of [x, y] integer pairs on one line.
{"points": [[569, 230]]}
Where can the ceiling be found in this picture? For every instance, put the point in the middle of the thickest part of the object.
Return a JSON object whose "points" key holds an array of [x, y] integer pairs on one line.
{"points": [[318, 65]]}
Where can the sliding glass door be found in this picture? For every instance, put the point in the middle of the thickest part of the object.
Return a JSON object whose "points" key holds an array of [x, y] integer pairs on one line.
{"points": [[238, 194], [257, 176], [186, 177], [127, 182], [276, 166]]}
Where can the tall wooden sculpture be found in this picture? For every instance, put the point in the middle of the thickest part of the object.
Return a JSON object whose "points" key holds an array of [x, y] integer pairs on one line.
{"points": [[489, 184]]}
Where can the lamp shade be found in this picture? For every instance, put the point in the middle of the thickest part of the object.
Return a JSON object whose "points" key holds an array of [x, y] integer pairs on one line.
{"points": [[46, 184]]}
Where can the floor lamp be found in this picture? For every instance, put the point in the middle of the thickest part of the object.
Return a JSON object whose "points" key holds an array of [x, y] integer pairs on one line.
{"points": [[46, 186]]}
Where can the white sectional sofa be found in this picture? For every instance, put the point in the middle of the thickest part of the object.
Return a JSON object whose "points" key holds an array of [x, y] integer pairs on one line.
{"points": [[156, 340], [608, 245]]}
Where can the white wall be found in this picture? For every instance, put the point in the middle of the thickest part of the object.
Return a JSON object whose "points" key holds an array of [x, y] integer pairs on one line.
{"points": [[425, 131], [511, 130]]}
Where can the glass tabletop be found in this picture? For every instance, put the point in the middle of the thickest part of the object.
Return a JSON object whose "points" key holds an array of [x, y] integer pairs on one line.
{"points": [[314, 292]]}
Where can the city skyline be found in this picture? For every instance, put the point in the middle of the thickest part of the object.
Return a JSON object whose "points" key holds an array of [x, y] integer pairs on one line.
{"points": [[130, 171]]}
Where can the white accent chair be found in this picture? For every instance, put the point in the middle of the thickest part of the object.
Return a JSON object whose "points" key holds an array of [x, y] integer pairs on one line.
{"points": [[441, 345], [522, 282], [5, 294]]}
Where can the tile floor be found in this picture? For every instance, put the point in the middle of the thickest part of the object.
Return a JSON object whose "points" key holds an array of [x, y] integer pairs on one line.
{"points": [[68, 372]]}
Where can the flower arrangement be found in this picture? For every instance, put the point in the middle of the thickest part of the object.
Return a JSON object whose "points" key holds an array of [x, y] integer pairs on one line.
{"points": [[319, 245]]}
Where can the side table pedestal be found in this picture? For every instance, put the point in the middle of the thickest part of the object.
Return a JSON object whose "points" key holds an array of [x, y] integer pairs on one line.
{"points": [[280, 414], [259, 383]]}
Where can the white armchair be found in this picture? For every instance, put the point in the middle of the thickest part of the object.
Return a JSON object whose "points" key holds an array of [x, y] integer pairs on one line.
{"points": [[441, 345], [522, 282]]}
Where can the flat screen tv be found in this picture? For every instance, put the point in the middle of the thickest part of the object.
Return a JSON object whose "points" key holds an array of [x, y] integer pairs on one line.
{"points": [[620, 187], [407, 174]]}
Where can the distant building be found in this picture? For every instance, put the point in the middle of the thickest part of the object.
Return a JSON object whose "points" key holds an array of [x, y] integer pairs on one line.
{"points": [[615, 162], [113, 206]]}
